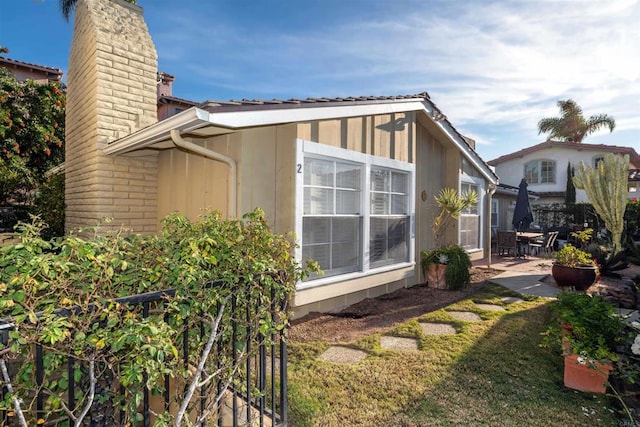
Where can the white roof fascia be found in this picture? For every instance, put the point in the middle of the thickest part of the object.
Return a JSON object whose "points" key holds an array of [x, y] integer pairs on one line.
{"points": [[188, 120], [196, 118], [241, 119], [462, 145]]}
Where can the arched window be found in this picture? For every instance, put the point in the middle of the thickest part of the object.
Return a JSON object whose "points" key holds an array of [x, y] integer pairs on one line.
{"points": [[540, 171]]}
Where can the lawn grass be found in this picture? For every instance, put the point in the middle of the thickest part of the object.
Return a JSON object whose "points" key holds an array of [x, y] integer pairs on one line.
{"points": [[492, 373]]}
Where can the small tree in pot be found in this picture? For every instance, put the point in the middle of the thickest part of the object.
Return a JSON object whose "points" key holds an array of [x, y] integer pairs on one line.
{"points": [[447, 267]]}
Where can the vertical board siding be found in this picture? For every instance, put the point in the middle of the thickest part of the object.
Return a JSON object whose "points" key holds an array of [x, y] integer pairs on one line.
{"points": [[389, 135]]}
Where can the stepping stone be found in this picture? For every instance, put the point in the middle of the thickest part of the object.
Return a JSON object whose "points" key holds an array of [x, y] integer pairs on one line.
{"points": [[490, 307], [396, 343], [347, 355], [511, 300], [465, 315], [438, 329]]}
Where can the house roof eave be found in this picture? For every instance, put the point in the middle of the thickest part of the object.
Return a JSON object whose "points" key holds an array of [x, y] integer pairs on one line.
{"points": [[187, 121], [196, 119]]}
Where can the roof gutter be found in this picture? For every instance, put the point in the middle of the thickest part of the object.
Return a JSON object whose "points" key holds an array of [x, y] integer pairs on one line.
{"points": [[443, 123], [180, 142]]}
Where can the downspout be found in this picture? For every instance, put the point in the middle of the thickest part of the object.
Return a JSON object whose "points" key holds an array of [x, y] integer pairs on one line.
{"points": [[492, 190], [210, 154]]}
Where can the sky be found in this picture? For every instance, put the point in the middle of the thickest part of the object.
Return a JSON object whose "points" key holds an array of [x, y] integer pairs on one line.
{"points": [[494, 68]]}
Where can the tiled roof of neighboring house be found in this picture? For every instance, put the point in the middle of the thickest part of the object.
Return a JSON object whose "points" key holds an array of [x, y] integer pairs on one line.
{"points": [[634, 156], [513, 190], [220, 110], [634, 174], [175, 100], [54, 74]]}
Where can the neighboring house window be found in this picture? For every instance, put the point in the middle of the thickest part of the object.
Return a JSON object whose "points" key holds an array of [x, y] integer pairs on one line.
{"points": [[596, 160], [471, 217], [494, 212], [540, 171], [357, 210]]}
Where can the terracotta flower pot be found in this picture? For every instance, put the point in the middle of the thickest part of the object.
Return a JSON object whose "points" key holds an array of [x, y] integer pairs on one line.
{"points": [[578, 277], [435, 276], [590, 377]]}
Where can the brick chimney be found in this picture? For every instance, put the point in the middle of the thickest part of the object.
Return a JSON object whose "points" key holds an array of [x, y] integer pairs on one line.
{"points": [[111, 93]]}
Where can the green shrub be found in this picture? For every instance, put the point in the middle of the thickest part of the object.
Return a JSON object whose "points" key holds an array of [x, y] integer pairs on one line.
{"points": [[49, 205], [595, 329], [251, 266], [570, 256]]}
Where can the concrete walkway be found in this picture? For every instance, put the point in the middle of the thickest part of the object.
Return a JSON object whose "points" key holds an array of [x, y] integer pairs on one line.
{"points": [[523, 275]]}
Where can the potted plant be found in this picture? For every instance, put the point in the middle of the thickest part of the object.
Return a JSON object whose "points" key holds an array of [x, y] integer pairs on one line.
{"points": [[574, 268], [447, 267], [589, 330]]}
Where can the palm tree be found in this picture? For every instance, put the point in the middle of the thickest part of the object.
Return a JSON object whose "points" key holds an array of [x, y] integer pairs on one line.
{"points": [[571, 126], [67, 6]]}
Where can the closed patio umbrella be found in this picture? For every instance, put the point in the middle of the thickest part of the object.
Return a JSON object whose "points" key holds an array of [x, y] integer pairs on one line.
{"points": [[522, 216]]}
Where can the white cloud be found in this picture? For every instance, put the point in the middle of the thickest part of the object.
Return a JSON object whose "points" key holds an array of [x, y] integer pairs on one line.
{"points": [[485, 64]]}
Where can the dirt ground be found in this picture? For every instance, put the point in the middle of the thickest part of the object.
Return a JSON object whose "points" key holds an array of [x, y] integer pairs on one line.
{"points": [[374, 315]]}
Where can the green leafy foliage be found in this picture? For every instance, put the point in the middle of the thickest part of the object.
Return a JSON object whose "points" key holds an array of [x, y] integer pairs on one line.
{"points": [[572, 126], [570, 194], [570, 256], [32, 121], [49, 205], [593, 328], [450, 204], [457, 260], [253, 269]]}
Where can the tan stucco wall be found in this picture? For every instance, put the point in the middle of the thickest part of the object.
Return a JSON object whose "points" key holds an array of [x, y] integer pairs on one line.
{"points": [[111, 93]]}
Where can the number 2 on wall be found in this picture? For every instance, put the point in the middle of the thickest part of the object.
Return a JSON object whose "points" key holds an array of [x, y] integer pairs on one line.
{"points": [[299, 169]]}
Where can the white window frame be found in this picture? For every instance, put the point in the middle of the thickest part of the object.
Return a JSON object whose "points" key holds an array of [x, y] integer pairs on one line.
{"points": [[479, 182], [495, 208], [596, 159], [538, 163], [316, 150]]}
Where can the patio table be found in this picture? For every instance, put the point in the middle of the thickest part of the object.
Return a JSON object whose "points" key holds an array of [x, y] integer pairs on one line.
{"points": [[524, 237]]}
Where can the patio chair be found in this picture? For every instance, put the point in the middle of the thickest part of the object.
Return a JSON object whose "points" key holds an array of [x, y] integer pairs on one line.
{"points": [[546, 244], [507, 241]]}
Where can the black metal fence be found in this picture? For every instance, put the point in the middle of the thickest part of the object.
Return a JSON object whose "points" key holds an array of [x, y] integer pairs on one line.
{"points": [[257, 396]]}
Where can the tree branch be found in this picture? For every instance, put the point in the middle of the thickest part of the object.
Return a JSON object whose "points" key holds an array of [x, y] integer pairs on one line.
{"points": [[16, 401], [203, 358], [92, 392]]}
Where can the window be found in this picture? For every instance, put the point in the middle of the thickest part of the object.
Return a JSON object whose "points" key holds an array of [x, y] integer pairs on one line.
{"points": [[332, 223], [470, 221], [494, 212], [389, 223], [540, 171], [356, 211], [596, 160]]}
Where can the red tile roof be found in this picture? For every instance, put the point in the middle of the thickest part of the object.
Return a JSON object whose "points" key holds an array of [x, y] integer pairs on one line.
{"points": [[634, 156], [164, 99], [57, 73]]}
